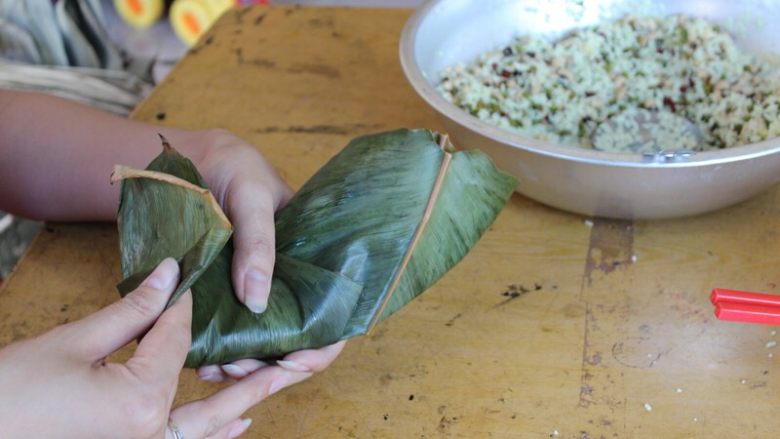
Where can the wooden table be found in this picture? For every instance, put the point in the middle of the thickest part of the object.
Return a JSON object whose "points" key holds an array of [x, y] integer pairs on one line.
{"points": [[553, 323]]}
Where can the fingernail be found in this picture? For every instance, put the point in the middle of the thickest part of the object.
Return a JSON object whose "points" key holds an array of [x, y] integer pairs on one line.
{"points": [[234, 371], [256, 288], [287, 379], [208, 371], [293, 366], [251, 366], [163, 277], [212, 377], [239, 429]]}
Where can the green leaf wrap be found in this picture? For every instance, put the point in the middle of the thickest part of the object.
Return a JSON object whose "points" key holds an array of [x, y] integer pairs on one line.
{"points": [[370, 231]]}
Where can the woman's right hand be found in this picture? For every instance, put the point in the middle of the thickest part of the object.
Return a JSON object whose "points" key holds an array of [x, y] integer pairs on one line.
{"points": [[59, 385]]}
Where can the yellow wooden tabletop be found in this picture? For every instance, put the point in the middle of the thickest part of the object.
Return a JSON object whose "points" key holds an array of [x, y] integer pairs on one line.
{"points": [[554, 325]]}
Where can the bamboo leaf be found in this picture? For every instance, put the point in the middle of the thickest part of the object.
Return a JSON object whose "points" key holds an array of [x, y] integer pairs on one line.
{"points": [[308, 307], [167, 212], [376, 226], [455, 224]]}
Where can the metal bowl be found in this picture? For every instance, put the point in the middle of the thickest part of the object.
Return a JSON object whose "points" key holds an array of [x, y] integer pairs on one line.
{"points": [[444, 32]]}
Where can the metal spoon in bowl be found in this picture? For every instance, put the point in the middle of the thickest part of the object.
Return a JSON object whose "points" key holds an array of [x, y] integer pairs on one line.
{"points": [[657, 135]]}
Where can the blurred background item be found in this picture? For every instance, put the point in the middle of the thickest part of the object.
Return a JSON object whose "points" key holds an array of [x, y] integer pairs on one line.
{"points": [[63, 48], [108, 54], [141, 13], [191, 18]]}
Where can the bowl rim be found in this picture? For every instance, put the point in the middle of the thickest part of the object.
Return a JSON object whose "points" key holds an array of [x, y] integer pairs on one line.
{"points": [[426, 91]]}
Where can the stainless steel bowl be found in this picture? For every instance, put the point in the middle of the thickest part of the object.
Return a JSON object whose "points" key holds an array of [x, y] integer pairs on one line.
{"points": [[444, 32]]}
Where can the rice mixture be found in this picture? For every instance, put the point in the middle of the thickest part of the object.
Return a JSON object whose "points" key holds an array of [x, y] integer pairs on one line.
{"points": [[562, 91]]}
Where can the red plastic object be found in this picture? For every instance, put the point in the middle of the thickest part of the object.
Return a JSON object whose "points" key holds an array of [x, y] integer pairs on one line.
{"points": [[744, 306]]}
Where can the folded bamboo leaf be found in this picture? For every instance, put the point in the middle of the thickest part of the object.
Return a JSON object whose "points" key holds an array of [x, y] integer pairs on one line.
{"points": [[455, 224], [369, 232], [190, 226]]}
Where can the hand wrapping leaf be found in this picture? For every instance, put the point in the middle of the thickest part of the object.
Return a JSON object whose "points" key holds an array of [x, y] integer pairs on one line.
{"points": [[369, 232]]}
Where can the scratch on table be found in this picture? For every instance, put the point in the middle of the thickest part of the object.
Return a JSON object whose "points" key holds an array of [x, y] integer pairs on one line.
{"points": [[315, 69], [240, 12], [593, 360], [611, 246], [638, 352], [206, 42], [758, 385], [586, 391], [322, 22], [514, 291], [258, 62], [451, 321]]}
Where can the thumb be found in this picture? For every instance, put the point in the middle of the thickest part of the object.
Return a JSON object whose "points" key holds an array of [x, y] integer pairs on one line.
{"points": [[100, 334]]}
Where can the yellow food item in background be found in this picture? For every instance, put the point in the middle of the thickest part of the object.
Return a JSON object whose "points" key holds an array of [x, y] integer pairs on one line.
{"points": [[191, 18], [140, 13]]}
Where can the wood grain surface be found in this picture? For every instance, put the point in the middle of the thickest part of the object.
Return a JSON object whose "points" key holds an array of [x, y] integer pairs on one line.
{"points": [[555, 325]]}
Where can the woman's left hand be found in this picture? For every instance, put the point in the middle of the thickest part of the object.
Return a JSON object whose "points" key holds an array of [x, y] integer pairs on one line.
{"points": [[250, 190]]}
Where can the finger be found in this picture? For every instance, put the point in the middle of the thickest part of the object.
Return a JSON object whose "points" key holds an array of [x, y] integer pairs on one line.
{"points": [[241, 368], [232, 430], [236, 370], [169, 431], [208, 416], [253, 259], [161, 354], [107, 330], [285, 193], [212, 374], [312, 360]]}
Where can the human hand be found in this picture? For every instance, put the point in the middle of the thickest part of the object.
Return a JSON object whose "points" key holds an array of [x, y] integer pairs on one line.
{"points": [[59, 385], [250, 190]]}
